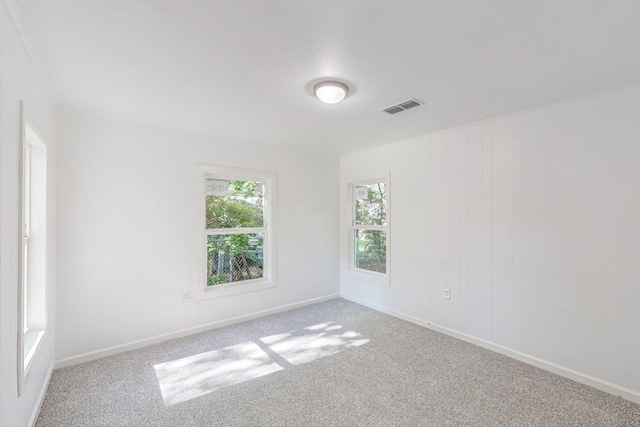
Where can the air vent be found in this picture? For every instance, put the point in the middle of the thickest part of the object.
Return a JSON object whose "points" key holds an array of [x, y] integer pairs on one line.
{"points": [[393, 110], [402, 106]]}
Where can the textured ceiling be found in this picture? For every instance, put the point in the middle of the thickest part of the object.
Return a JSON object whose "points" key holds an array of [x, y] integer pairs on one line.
{"points": [[243, 70]]}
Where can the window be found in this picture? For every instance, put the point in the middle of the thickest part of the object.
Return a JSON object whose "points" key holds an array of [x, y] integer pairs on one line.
{"points": [[238, 230], [369, 231], [32, 291]]}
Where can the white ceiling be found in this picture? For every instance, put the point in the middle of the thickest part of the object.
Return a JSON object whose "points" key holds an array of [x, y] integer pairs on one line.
{"points": [[243, 70]]}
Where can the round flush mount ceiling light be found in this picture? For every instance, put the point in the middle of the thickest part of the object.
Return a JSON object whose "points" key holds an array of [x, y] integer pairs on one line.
{"points": [[330, 92]]}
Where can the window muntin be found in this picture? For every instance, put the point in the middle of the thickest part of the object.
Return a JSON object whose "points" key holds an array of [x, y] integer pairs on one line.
{"points": [[236, 228], [369, 227]]}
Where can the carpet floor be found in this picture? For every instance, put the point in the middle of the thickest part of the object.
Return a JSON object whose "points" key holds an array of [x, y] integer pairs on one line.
{"points": [[334, 363]]}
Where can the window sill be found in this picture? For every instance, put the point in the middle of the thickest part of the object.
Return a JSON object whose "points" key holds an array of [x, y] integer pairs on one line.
{"points": [[219, 291], [371, 277], [32, 340]]}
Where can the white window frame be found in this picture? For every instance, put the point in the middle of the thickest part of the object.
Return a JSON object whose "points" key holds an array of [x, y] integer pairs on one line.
{"points": [[32, 257], [268, 230], [360, 273]]}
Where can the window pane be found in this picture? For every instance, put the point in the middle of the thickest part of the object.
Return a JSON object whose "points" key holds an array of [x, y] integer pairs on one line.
{"points": [[371, 250], [233, 204], [371, 204], [234, 257]]}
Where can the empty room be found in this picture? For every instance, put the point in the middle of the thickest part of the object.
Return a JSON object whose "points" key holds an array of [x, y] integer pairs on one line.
{"points": [[319, 213]]}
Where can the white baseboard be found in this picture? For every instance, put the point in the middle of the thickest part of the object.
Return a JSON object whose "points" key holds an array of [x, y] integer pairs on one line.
{"points": [[43, 391], [580, 377], [99, 354]]}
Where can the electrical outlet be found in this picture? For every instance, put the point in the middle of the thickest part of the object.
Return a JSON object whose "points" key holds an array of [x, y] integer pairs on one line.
{"points": [[447, 294], [186, 296]]}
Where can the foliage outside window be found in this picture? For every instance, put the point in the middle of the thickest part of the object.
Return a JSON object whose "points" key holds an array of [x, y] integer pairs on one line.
{"points": [[235, 229], [369, 226]]}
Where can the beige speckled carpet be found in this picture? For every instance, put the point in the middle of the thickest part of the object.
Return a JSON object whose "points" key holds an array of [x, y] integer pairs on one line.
{"points": [[330, 364]]}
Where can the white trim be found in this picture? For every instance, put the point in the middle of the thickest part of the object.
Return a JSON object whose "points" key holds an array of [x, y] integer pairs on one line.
{"points": [[230, 172], [21, 285], [110, 351], [368, 276], [229, 231], [235, 288], [32, 311], [40, 400], [366, 178], [269, 178], [600, 384], [360, 273], [369, 227]]}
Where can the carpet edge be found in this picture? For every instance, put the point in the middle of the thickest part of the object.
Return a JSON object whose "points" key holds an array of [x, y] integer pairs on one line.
{"points": [[582, 378], [133, 345]]}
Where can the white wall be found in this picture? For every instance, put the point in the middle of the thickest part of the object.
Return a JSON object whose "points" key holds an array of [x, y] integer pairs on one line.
{"points": [[129, 230], [20, 81], [533, 221]]}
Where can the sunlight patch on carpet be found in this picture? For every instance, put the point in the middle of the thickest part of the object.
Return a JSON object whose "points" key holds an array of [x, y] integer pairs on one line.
{"points": [[194, 376], [313, 342]]}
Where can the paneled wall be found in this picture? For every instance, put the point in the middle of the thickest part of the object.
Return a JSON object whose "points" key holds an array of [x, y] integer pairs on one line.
{"points": [[130, 230], [532, 220], [20, 81]]}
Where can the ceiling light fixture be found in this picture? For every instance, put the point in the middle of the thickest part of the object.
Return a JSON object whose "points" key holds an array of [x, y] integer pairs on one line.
{"points": [[330, 92]]}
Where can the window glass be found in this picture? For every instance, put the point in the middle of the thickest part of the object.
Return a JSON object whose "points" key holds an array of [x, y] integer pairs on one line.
{"points": [[371, 250], [370, 228], [236, 229], [370, 204], [234, 258], [234, 203]]}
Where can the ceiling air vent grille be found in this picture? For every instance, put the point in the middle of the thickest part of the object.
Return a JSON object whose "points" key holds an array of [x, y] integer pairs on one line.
{"points": [[402, 106]]}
